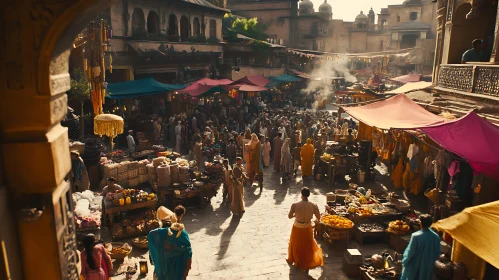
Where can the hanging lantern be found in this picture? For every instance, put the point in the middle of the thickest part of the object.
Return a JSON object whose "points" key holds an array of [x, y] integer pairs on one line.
{"points": [[143, 267]]}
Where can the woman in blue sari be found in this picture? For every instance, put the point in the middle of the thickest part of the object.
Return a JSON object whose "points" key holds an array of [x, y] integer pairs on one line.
{"points": [[170, 250]]}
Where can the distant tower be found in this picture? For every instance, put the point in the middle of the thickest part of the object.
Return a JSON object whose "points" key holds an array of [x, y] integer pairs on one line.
{"points": [[326, 10], [370, 18], [306, 7]]}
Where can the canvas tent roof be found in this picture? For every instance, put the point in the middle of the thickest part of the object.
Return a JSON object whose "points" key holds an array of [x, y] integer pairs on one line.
{"points": [[136, 88], [281, 79], [472, 138], [253, 80], [197, 89], [476, 228], [409, 87], [398, 111], [211, 82], [409, 78]]}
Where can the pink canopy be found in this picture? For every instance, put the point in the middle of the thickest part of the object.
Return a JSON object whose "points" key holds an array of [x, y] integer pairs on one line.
{"points": [[195, 89], [252, 88], [253, 80], [398, 111], [409, 78], [211, 82], [472, 138]]}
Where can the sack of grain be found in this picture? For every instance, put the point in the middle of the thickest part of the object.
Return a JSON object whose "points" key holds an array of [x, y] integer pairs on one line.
{"points": [[122, 177], [183, 170], [174, 172], [158, 161], [133, 173]]}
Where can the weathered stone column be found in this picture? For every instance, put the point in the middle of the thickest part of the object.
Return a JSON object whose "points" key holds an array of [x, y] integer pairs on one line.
{"points": [[36, 42]]}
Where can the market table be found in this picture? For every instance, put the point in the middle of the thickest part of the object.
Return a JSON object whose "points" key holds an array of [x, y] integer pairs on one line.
{"points": [[398, 242], [127, 207]]}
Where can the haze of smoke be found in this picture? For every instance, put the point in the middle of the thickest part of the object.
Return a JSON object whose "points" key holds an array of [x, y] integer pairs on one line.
{"points": [[327, 69]]}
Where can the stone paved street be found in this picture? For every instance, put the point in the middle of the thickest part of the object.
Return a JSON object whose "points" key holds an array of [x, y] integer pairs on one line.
{"points": [[255, 246]]}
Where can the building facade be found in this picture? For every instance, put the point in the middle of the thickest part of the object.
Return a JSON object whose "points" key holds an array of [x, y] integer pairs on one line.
{"points": [[172, 41], [471, 85], [412, 24]]}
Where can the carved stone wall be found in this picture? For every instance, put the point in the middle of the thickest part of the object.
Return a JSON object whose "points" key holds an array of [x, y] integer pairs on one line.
{"points": [[479, 79], [456, 77]]}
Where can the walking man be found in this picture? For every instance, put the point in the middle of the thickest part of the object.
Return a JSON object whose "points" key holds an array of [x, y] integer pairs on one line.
{"points": [[303, 250], [277, 152]]}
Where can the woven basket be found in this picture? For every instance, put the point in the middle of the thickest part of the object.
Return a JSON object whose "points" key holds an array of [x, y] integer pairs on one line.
{"points": [[133, 182], [143, 178], [141, 245], [121, 255], [123, 167], [142, 170]]}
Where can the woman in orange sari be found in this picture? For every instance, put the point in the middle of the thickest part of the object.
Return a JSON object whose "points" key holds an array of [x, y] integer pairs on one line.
{"points": [[303, 251], [253, 157], [307, 158]]}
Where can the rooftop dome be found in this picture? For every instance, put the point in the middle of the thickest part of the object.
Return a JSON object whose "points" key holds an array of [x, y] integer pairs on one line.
{"points": [[361, 17], [306, 4], [325, 7]]}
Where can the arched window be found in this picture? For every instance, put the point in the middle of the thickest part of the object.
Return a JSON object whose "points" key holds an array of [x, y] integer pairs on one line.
{"points": [[213, 28], [184, 28], [138, 21], [152, 22], [172, 25], [196, 27]]}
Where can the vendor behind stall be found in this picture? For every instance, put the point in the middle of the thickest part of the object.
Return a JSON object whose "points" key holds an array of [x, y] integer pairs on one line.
{"points": [[111, 186]]}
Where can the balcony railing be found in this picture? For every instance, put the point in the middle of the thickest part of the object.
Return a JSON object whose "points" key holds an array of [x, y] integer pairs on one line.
{"points": [[478, 79]]}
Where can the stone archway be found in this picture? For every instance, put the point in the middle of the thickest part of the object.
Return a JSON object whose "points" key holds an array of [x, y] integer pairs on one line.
{"points": [[184, 29], [153, 22], [35, 148]]}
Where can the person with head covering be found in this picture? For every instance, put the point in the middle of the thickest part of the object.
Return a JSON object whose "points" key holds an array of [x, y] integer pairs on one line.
{"points": [[178, 137], [95, 261], [169, 247], [253, 157], [130, 141], [266, 152], [277, 151], [307, 158], [286, 159], [246, 140], [303, 251], [237, 177], [79, 174]]}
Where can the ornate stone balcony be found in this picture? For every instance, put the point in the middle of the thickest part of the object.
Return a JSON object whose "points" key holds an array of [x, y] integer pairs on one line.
{"points": [[472, 79]]}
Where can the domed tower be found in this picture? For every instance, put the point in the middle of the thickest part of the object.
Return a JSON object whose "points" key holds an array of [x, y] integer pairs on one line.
{"points": [[306, 7], [326, 10], [360, 21], [371, 17]]}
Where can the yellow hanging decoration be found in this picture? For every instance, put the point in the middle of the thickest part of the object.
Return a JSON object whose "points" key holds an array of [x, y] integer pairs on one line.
{"points": [[109, 125]]}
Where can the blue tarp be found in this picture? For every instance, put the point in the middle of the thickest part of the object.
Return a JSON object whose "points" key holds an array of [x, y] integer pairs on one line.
{"points": [[281, 79], [136, 88]]}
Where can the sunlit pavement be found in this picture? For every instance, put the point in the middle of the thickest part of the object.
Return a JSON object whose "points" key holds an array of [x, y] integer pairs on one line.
{"points": [[255, 246]]}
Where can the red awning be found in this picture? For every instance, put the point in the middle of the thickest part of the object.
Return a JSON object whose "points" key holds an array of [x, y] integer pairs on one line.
{"points": [[409, 78], [253, 80], [398, 111], [211, 82]]}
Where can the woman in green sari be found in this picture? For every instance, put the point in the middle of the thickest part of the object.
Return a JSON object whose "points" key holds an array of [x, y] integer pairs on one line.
{"points": [[170, 250]]}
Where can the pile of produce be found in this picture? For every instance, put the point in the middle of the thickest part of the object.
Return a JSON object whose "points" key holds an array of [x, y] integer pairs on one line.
{"points": [[143, 153], [327, 157], [336, 221], [118, 250], [398, 227], [371, 227], [118, 155], [128, 196], [137, 224], [140, 242], [214, 167], [88, 210], [364, 212]]}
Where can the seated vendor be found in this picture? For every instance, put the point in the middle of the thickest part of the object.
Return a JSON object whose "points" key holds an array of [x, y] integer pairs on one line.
{"points": [[111, 186]]}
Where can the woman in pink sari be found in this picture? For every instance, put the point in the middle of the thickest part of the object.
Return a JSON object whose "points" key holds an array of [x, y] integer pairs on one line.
{"points": [[97, 264]]}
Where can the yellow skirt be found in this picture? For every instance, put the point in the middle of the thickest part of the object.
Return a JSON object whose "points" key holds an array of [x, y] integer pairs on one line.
{"points": [[303, 251]]}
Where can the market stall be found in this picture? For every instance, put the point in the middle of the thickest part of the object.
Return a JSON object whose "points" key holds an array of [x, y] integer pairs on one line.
{"points": [[88, 213]]}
